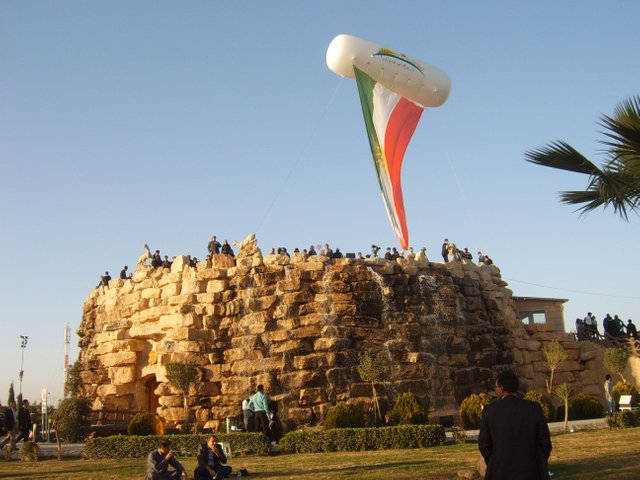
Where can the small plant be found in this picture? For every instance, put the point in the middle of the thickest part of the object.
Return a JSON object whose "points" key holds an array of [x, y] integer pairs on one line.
{"points": [[29, 451], [563, 391], [408, 411], [181, 376], [471, 409], [71, 419], [543, 401], [626, 419], [374, 367], [344, 415], [615, 360], [459, 435], [145, 423], [6, 451], [554, 355]]}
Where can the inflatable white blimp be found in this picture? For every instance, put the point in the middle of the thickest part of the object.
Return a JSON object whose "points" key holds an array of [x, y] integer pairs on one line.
{"points": [[394, 89]]}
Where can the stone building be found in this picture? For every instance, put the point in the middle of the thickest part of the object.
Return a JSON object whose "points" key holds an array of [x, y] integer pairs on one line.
{"points": [[297, 325]]}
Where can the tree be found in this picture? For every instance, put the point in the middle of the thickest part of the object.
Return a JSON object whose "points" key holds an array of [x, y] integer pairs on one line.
{"points": [[617, 183], [181, 376], [564, 393], [554, 355], [12, 395], [73, 382], [615, 360], [373, 368]]}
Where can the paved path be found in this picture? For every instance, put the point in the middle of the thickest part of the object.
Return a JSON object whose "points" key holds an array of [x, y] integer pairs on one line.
{"points": [[74, 450]]}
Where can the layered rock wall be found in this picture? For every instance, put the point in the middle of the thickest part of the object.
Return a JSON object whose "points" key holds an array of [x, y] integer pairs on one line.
{"points": [[297, 325]]}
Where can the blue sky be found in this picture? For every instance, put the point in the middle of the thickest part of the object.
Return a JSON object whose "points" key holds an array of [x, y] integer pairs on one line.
{"points": [[166, 122]]}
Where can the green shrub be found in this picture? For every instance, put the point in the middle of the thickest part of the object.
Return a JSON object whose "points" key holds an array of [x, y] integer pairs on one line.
{"points": [[29, 451], [407, 410], [122, 446], [344, 415], [626, 419], [583, 406], [459, 435], [544, 402], [71, 419], [625, 388], [359, 439], [145, 423], [471, 409]]}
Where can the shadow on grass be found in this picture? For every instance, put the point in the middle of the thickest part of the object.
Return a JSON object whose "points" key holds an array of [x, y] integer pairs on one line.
{"points": [[379, 469]]}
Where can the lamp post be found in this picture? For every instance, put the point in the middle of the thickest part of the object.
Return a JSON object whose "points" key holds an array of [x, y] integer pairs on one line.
{"points": [[23, 345]]}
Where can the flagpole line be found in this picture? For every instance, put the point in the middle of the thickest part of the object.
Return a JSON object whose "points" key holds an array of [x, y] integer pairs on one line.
{"points": [[572, 291], [299, 156]]}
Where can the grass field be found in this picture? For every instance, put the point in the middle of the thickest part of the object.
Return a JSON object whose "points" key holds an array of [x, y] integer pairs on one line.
{"points": [[596, 454]]}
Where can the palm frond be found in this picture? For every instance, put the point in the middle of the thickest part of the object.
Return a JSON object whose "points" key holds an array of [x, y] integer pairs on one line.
{"points": [[563, 156]]}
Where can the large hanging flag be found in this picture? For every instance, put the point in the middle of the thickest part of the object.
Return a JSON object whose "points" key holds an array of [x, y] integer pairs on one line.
{"points": [[393, 91]]}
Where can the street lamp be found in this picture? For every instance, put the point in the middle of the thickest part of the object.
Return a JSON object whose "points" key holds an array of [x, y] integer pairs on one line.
{"points": [[23, 345]]}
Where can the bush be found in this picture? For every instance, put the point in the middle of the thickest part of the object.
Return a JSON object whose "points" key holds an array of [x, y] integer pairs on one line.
{"points": [[583, 406], [122, 446], [71, 419], [359, 439], [459, 435], [626, 419], [344, 415], [544, 402], [625, 388], [29, 451], [408, 411], [145, 423], [471, 409]]}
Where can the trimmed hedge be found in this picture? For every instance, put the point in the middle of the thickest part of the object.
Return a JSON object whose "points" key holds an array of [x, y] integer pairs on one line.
{"points": [[123, 446], [358, 439], [626, 419]]}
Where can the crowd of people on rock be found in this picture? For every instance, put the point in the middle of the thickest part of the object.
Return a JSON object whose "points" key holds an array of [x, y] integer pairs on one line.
{"points": [[449, 253], [587, 328]]}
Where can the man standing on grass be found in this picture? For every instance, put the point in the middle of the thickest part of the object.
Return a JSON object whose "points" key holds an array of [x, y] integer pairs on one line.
{"points": [[514, 437]]}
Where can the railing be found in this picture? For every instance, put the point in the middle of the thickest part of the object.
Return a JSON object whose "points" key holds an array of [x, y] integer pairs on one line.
{"points": [[107, 416]]}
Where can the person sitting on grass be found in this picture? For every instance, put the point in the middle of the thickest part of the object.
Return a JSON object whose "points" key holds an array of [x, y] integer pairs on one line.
{"points": [[158, 463], [211, 460]]}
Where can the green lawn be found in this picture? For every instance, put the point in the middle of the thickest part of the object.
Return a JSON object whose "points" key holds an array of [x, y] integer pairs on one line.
{"points": [[600, 454]]}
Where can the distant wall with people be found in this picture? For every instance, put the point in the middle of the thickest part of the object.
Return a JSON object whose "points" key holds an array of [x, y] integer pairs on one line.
{"points": [[298, 324]]}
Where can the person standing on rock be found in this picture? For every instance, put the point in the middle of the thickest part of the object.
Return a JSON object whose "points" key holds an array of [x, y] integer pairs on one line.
{"points": [[514, 438], [445, 250], [260, 403]]}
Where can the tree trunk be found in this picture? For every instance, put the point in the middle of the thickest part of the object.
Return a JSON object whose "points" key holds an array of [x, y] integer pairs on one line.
{"points": [[566, 414]]}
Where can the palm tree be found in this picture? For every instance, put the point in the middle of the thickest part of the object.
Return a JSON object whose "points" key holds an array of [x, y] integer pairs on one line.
{"points": [[617, 183]]}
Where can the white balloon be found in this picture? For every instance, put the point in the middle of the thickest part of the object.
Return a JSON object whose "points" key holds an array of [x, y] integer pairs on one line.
{"points": [[413, 79]]}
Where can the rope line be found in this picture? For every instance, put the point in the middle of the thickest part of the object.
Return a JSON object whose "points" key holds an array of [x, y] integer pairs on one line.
{"points": [[299, 156], [574, 291]]}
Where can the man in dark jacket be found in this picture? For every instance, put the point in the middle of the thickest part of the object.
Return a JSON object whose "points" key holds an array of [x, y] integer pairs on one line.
{"points": [[158, 463], [9, 426], [24, 422], [211, 460], [514, 437]]}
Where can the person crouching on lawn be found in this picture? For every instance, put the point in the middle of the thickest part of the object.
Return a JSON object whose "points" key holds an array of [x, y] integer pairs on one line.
{"points": [[211, 460], [158, 463]]}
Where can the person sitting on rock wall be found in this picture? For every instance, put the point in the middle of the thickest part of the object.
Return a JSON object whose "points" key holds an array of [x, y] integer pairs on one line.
{"points": [[312, 251], [166, 263], [156, 259], [226, 249]]}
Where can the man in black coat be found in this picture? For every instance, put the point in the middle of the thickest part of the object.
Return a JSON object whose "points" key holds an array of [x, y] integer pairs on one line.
{"points": [[9, 426], [211, 460], [24, 422], [514, 437]]}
